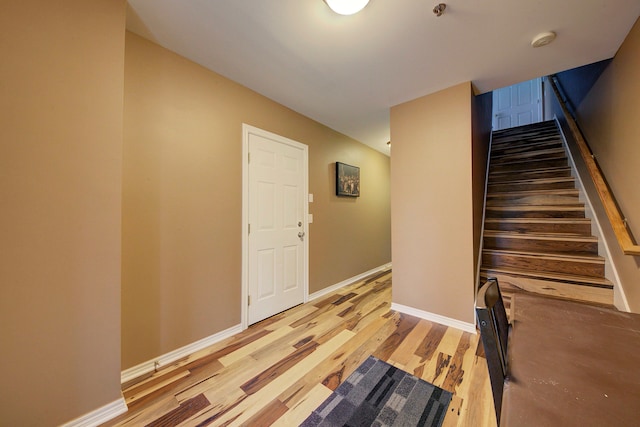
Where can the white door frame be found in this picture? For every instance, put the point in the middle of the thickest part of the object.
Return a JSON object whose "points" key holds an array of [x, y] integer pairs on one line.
{"points": [[246, 131]]}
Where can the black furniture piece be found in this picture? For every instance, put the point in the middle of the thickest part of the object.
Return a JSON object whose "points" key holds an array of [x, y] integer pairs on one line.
{"points": [[494, 331]]}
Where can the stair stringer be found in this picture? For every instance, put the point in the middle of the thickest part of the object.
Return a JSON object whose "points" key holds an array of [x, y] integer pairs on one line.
{"points": [[484, 214]]}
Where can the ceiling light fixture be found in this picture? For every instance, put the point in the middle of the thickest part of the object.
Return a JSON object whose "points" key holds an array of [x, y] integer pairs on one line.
{"points": [[346, 7], [543, 39]]}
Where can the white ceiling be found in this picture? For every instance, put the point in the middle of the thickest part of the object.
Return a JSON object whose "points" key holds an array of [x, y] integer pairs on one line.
{"points": [[347, 71]]}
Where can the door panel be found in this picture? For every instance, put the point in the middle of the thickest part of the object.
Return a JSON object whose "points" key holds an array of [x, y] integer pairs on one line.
{"points": [[276, 246], [517, 105], [291, 261], [266, 265]]}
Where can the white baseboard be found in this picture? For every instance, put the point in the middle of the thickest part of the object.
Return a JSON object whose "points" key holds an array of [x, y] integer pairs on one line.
{"points": [[432, 317], [166, 359], [333, 288], [100, 415]]}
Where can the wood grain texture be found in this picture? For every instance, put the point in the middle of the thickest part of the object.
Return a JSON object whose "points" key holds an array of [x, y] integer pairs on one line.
{"points": [[279, 370], [558, 172], [536, 234], [580, 226]]}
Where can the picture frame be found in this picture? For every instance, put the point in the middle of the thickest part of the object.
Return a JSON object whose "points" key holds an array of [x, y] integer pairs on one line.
{"points": [[347, 180]]}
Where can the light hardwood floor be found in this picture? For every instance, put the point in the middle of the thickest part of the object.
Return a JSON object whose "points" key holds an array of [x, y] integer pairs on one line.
{"points": [[277, 371]]}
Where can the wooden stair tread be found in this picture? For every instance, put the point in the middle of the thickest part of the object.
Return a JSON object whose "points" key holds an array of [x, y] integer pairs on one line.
{"points": [[544, 256], [535, 208], [559, 156], [570, 179], [576, 290], [524, 165], [534, 153], [512, 175], [553, 192], [524, 141], [539, 220], [562, 196], [572, 226], [540, 236], [538, 207], [599, 282], [537, 133], [538, 170], [526, 138], [535, 200], [508, 149]]}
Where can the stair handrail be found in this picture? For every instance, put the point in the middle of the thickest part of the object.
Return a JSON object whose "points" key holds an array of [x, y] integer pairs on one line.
{"points": [[618, 222]]}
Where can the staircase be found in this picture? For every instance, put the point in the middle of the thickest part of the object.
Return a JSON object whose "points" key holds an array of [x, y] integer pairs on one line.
{"points": [[536, 236]]}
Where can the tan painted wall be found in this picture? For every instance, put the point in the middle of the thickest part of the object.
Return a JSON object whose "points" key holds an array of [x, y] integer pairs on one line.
{"points": [[61, 78], [182, 200], [432, 204], [608, 117]]}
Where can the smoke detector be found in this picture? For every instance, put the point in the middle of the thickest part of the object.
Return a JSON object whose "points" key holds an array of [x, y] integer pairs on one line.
{"points": [[543, 39]]}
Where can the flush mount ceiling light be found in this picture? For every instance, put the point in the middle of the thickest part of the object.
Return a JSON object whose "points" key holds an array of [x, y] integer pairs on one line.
{"points": [[543, 39], [346, 7]]}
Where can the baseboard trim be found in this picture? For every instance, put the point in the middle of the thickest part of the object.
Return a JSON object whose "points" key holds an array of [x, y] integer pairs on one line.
{"points": [[100, 415], [432, 317], [333, 288], [168, 358]]}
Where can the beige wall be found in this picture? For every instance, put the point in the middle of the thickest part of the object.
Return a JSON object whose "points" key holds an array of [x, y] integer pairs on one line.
{"points": [[182, 200], [432, 204], [61, 98], [608, 117]]}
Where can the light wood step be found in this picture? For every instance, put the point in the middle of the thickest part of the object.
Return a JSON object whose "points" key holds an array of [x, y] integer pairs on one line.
{"points": [[591, 266], [560, 172], [578, 288], [579, 226], [532, 184], [542, 243], [535, 197], [535, 211]]}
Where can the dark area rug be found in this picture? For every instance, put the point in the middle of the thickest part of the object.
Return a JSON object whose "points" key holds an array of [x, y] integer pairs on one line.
{"points": [[378, 394]]}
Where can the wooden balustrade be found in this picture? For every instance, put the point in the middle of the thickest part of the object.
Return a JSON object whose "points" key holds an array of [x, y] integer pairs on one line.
{"points": [[623, 233]]}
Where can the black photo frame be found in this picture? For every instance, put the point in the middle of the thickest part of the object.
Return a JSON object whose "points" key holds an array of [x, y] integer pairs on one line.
{"points": [[347, 180]]}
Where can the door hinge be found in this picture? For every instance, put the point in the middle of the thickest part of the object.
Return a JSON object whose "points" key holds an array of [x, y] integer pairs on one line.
{"points": [[248, 299], [249, 228], [248, 157]]}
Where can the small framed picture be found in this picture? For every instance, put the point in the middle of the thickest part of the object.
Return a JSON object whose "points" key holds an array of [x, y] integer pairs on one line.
{"points": [[347, 180]]}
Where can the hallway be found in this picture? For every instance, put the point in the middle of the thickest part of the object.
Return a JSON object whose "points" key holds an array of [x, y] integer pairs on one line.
{"points": [[277, 371]]}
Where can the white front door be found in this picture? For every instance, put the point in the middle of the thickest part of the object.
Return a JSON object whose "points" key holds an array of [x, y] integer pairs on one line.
{"points": [[517, 105], [276, 230]]}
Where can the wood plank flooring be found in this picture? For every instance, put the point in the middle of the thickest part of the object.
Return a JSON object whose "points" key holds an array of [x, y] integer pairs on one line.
{"points": [[279, 370]]}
